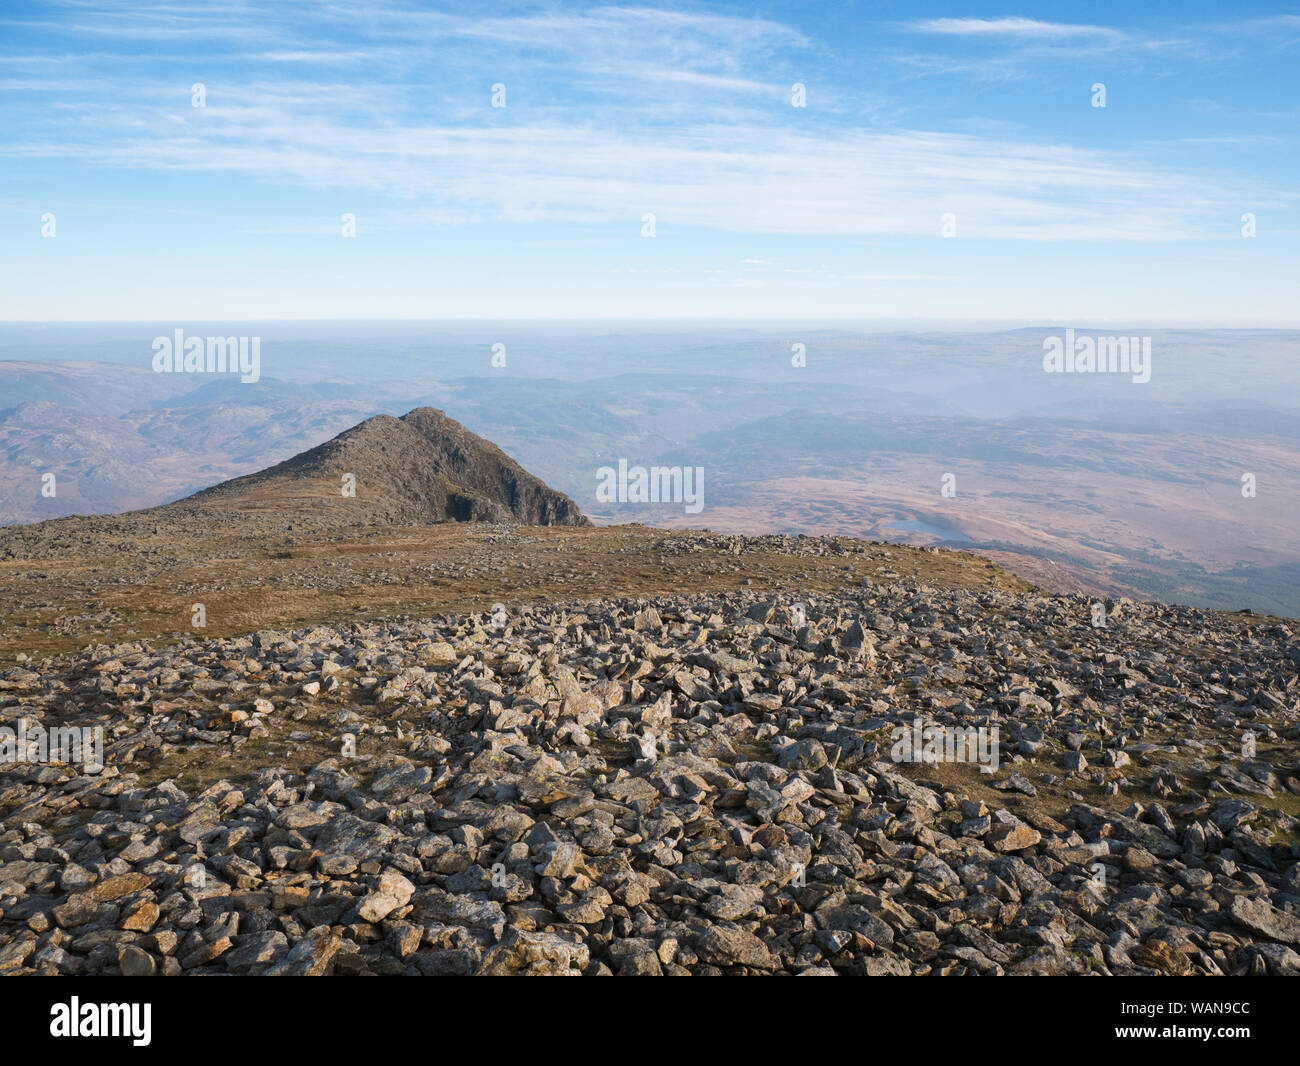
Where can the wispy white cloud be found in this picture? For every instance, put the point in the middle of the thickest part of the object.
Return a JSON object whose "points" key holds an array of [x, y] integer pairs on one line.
{"points": [[1267, 23], [1009, 27], [676, 113], [746, 178], [320, 55]]}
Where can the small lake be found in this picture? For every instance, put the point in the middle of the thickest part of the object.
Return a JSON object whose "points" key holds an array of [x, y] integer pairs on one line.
{"points": [[951, 535]]}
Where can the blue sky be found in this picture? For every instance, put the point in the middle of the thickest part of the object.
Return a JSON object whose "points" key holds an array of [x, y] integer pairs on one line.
{"points": [[1064, 212]]}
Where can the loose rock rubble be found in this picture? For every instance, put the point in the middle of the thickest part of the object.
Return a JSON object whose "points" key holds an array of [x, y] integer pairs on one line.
{"points": [[671, 786]]}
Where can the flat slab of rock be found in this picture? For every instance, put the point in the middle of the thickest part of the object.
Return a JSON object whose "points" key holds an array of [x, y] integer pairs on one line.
{"points": [[1266, 919]]}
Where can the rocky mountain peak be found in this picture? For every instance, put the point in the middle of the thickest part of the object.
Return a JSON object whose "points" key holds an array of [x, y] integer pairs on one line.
{"points": [[421, 468]]}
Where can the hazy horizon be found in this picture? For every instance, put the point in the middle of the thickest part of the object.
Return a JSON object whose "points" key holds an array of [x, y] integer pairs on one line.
{"points": [[1096, 481]]}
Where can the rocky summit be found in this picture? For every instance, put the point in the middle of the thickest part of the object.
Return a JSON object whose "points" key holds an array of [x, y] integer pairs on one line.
{"points": [[423, 467], [681, 784]]}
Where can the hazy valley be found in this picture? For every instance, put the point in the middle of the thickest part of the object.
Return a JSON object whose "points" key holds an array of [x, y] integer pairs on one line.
{"points": [[1085, 483]]}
